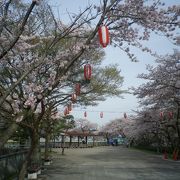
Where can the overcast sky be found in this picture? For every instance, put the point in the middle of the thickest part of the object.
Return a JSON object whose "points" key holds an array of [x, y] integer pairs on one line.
{"points": [[115, 107]]}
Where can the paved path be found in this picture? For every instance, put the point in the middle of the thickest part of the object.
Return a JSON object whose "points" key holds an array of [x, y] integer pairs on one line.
{"points": [[111, 163]]}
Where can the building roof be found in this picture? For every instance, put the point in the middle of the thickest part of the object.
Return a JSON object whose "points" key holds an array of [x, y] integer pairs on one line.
{"points": [[80, 133]]}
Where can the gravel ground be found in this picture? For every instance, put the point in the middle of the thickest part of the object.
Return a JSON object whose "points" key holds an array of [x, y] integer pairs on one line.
{"points": [[110, 163]]}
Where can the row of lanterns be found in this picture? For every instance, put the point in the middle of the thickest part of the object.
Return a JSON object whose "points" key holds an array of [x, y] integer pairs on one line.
{"points": [[170, 115], [87, 76], [69, 108], [101, 114], [104, 41]]}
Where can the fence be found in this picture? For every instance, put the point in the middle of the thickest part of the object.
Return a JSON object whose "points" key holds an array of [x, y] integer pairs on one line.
{"points": [[74, 144], [10, 163]]}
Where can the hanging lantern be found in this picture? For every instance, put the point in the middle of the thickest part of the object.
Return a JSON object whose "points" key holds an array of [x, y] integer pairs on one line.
{"points": [[66, 111], [87, 72], [70, 106], [170, 115], [103, 35], [101, 114], [85, 114], [161, 115], [125, 115], [74, 97], [78, 89]]}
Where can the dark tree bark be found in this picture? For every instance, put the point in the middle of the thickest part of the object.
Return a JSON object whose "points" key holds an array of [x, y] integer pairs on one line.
{"points": [[32, 156]]}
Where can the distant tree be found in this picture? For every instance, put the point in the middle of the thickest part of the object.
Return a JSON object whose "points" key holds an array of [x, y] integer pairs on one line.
{"points": [[84, 125], [160, 96]]}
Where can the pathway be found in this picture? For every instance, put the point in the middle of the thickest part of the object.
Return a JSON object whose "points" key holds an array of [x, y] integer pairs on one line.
{"points": [[111, 163]]}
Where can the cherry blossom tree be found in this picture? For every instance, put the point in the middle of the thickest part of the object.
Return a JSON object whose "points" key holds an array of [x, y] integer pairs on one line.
{"points": [[84, 125], [10, 31], [122, 127], [41, 54], [123, 19], [160, 96]]}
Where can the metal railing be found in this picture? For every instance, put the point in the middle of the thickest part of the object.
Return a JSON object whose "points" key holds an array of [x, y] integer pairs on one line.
{"points": [[10, 162], [73, 144]]}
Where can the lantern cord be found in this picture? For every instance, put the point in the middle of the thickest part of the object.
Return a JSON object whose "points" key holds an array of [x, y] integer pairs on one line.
{"points": [[103, 111]]}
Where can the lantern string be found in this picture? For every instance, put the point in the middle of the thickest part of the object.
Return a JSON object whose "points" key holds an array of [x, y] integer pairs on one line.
{"points": [[103, 111]]}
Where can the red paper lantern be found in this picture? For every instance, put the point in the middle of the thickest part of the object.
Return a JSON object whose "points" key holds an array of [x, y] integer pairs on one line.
{"points": [[66, 111], [87, 71], [101, 114], [103, 35], [74, 97], [170, 115], [78, 89], [70, 106], [125, 115], [161, 115], [85, 114]]}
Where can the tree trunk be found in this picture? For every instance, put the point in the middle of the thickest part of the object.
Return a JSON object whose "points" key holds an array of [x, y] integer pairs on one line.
{"points": [[78, 141], [32, 155], [35, 158], [7, 134], [54, 141], [169, 139], [63, 144], [70, 141], [93, 141], [86, 140], [107, 140], [46, 152], [22, 172], [177, 124]]}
